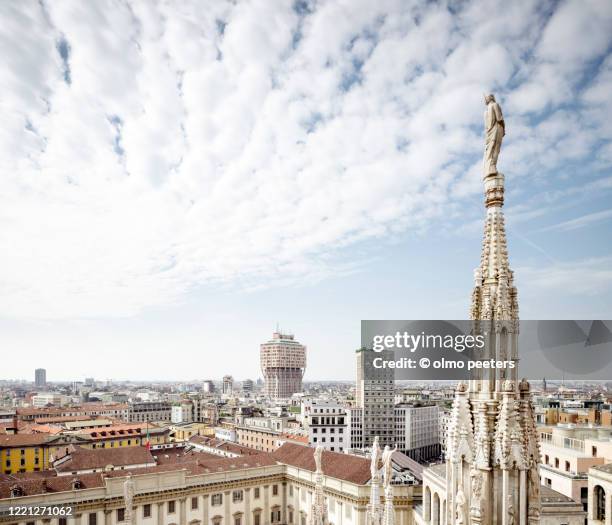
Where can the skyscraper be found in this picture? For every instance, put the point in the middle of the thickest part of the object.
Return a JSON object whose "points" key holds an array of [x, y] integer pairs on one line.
{"points": [[375, 389], [283, 363], [228, 385], [40, 378]]}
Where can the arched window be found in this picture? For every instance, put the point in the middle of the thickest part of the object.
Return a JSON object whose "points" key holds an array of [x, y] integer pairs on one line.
{"points": [[600, 503], [427, 504], [435, 510]]}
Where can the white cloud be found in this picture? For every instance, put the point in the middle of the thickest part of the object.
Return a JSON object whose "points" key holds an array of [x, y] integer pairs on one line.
{"points": [[180, 144]]}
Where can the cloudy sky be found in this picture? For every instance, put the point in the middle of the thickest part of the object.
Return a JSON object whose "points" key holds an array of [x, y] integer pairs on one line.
{"points": [[178, 177]]}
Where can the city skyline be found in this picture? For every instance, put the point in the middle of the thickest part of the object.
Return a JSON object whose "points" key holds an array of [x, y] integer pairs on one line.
{"points": [[186, 217]]}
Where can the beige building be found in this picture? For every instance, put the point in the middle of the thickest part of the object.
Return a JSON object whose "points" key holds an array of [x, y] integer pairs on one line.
{"points": [[265, 489], [283, 363]]}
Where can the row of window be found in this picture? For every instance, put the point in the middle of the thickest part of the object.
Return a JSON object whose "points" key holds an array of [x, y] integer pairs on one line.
{"points": [[547, 462], [328, 420], [331, 430], [237, 496], [22, 462], [331, 439], [22, 451]]}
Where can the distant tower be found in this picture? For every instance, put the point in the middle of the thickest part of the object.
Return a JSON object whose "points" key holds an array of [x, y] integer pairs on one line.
{"points": [[544, 385], [247, 385], [208, 386], [40, 378], [228, 385], [283, 362]]}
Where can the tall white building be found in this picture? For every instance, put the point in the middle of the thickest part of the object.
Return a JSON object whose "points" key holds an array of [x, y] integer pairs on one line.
{"points": [[208, 386], [182, 412], [283, 363], [417, 432], [228, 385], [326, 424]]}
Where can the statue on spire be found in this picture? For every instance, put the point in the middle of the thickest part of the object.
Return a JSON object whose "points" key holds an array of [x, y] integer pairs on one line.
{"points": [[495, 129]]}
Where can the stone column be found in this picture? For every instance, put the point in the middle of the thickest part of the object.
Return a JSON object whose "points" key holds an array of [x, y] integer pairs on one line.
{"points": [[266, 506], [205, 503], [160, 514], [247, 506], [284, 502], [505, 493], [108, 519], [227, 517], [339, 510], [435, 510], [183, 511], [523, 497]]}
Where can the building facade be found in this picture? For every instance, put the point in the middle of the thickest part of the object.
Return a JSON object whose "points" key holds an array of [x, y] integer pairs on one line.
{"points": [[326, 424], [182, 412], [257, 490], [417, 431], [375, 393], [142, 411], [228, 385], [283, 363], [40, 378]]}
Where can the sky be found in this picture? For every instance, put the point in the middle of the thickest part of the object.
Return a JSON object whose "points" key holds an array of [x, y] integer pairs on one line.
{"points": [[180, 177]]}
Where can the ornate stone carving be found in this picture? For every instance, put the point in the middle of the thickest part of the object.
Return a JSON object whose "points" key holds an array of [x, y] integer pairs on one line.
{"points": [[375, 510], [460, 507], [128, 498], [318, 512], [476, 500]]}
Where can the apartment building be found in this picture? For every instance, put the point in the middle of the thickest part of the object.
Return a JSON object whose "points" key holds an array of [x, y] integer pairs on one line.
{"points": [[326, 424], [143, 411], [417, 430], [568, 452]]}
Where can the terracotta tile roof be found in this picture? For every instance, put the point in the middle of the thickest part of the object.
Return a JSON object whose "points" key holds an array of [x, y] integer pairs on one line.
{"points": [[63, 419], [334, 464], [340, 466], [85, 407], [31, 483], [220, 444], [22, 440], [78, 458]]}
